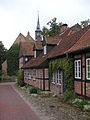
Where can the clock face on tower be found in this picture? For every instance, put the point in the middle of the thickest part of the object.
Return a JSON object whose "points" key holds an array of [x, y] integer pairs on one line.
{"points": [[26, 59], [38, 34]]}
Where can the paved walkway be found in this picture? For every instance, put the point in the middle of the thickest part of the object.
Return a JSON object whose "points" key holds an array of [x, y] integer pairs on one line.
{"points": [[13, 107]]}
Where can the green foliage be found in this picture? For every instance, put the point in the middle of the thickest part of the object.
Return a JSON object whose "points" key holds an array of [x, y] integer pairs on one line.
{"points": [[54, 28], [67, 67], [2, 53], [13, 60], [20, 78], [33, 90], [80, 103], [85, 23], [5, 78], [68, 95]]}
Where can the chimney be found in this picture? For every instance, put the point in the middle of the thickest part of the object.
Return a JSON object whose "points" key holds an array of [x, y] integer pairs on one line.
{"points": [[63, 28], [28, 34]]}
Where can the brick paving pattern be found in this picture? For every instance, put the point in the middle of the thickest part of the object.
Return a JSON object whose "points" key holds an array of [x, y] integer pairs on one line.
{"points": [[13, 107]]}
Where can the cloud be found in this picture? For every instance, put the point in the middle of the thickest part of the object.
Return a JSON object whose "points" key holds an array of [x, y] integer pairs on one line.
{"points": [[21, 15]]}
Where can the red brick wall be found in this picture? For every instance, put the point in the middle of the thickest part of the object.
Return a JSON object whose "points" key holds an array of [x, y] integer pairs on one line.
{"points": [[38, 82], [20, 62], [77, 87], [77, 84], [88, 89]]}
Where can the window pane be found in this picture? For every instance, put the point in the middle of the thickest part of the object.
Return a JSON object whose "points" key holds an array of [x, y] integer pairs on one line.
{"points": [[88, 62], [88, 75], [88, 68], [75, 64], [45, 49], [53, 77], [77, 69], [79, 75], [58, 77], [76, 74]]}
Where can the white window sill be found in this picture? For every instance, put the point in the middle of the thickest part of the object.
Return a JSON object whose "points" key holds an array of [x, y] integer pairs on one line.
{"points": [[88, 78], [77, 77], [53, 82], [58, 84]]}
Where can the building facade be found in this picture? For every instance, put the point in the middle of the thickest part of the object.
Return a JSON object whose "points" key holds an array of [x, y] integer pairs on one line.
{"points": [[71, 43]]}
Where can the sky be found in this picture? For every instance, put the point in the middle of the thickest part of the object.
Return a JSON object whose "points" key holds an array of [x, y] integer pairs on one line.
{"points": [[20, 16]]}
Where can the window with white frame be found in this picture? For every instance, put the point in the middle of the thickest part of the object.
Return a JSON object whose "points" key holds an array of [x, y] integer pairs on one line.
{"points": [[29, 75], [34, 53], [34, 74], [77, 69], [24, 72], [88, 68], [58, 77], [53, 77], [45, 50]]}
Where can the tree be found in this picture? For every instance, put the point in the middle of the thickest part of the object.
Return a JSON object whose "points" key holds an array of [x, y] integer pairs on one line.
{"points": [[2, 54], [54, 28], [13, 59], [85, 23]]}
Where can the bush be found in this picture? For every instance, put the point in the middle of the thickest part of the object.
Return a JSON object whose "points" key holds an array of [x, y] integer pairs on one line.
{"points": [[68, 95], [5, 78], [20, 78], [32, 90], [80, 103], [87, 108]]}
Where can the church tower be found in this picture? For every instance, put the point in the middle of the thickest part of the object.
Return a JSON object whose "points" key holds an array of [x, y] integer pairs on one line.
{"points": [[38, 31]]}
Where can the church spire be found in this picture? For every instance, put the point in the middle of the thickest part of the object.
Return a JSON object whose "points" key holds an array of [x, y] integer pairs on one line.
{"points": [[38, 23], [38, 31]]}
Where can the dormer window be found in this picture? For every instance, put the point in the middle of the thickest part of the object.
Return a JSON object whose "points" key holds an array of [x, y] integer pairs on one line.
{"points": [[34, 53], [45, 50]]}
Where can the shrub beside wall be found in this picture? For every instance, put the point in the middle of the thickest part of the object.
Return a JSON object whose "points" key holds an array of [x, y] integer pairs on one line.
{"points": [[67, 66], [20, 78]]}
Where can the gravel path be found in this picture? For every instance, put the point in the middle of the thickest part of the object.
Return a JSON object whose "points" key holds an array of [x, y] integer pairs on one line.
{"points": [[51, 108]]}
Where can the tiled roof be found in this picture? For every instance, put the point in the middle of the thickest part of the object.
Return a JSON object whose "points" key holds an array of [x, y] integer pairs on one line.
{"points": [[29, 38], [55, 39], [52, 40], [82, 43], [34, 62], [27, 48], [41, 58], [67, 43], [20, 38]]}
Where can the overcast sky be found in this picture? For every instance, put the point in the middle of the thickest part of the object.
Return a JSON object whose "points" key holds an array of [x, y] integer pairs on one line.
{"points": [[21, 15]]}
